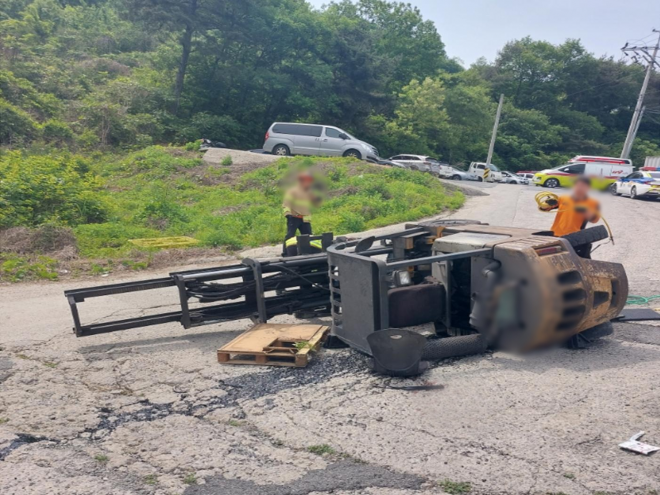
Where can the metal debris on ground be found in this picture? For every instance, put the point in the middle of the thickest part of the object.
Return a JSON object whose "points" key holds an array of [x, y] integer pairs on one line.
{"points": [[416, 388], [165, 242], [635, 446], [637, 314]]}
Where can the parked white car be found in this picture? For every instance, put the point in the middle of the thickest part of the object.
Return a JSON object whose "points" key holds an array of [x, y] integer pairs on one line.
{"points": [[526, 175], [509, 178], [415, 162], [453, 173]]}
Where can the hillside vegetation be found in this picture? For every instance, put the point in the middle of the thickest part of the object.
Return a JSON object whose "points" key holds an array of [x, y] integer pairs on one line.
{"points": [[166, 191], [99, 97], [90, 74]]}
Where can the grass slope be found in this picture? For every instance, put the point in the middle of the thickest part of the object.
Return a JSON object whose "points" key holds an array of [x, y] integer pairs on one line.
{"points": [[164, 191]]}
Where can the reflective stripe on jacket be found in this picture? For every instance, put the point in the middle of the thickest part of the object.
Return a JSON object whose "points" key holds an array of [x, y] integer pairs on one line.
{"points": [[294, 242]]}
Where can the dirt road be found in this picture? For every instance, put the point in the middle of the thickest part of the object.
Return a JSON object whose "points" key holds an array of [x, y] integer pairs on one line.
{"points": [[151, 411]]}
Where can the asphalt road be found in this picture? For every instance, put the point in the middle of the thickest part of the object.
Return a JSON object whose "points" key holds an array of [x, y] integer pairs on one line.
{"points": [[150, 410]]}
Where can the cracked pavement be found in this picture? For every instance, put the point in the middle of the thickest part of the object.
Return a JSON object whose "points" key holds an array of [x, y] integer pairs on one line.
{"points": [[150, 411]]}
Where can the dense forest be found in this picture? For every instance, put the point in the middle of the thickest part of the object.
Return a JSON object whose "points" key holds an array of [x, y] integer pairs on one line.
{"points": [[122, 74]]}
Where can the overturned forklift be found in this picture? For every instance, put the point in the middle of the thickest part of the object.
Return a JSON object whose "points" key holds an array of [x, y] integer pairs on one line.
{"points": [[478, 286]]}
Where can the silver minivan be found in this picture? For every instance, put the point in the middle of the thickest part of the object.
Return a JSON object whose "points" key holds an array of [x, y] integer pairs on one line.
{"points": [[286, 138]]}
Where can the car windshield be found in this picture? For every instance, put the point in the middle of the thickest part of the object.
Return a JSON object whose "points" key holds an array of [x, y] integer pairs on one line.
{"points": [[493, 168], [655, 175]]}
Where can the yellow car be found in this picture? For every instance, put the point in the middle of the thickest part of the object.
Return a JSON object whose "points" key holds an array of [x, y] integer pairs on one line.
{"points": [[602, 175]]}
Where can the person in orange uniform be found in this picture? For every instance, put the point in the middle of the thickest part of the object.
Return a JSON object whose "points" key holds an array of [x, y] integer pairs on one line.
{"points": [[574, 211]]}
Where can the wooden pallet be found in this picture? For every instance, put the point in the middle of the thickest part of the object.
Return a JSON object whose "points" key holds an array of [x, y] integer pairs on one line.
{"points": [[274, 345]]}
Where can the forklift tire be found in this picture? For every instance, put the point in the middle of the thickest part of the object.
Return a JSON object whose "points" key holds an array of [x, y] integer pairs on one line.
{"points": [[602, 330], [587, 236], [586, 337]]}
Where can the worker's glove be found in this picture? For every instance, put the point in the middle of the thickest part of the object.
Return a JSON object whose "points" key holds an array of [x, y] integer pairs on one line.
{"points": [[552, 202]]}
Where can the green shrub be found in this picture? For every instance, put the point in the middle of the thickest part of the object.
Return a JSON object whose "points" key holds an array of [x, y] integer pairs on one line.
{"points": [[56, 131], [226, 161], [88, 139], [16, 125], [37, 189], [162, 211], [159, 160], [193, 145]]}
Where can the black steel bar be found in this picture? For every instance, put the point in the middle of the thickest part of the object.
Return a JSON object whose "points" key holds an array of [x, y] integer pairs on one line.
{"points": [[258, 289], [183, 301], [434, 259], [214, 273], [80, 295], [142, 321]]}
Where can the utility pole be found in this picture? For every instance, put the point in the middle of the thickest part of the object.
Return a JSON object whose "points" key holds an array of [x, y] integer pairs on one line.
{"points": [[643, 52], [627, 149], [497, 123]]}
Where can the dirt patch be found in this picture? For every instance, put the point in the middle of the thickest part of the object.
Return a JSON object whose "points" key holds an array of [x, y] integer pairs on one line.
{"points": [[56, 242], [242, 162]]}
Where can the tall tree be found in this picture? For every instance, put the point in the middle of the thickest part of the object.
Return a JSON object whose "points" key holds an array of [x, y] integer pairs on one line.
{"points": [[184, 19]]}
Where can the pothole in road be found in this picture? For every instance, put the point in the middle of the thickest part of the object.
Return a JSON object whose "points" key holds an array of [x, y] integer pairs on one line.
{"points": [[249, 386], [20, 440], [344, 475]]}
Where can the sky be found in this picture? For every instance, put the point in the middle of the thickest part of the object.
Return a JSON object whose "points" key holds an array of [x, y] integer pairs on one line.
{"points": [[479, 28]]}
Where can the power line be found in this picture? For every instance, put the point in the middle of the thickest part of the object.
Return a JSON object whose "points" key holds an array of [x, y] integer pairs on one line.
{"points": [[642, 51]]}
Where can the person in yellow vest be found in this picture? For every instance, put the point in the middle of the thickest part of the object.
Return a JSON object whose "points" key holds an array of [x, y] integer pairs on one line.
{"points": [[297, 206], [574, 211]]}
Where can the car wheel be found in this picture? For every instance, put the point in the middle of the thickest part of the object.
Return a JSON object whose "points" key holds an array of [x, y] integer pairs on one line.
{"points": [[480, 179], [633, 193], [455, 177], [281, 150], [552, 183], [613, 190], [353, 154]]}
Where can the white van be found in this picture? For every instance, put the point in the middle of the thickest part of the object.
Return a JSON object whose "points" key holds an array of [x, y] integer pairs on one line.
{"points": [[479, 169], [289, 138]]}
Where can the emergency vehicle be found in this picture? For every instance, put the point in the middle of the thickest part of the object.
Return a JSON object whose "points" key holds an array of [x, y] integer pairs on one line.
{"points": [[603, 172], [644, 183]]}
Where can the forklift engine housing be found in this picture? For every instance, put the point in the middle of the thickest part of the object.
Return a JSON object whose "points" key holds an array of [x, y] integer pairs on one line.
{"points": [[517, 288]]}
